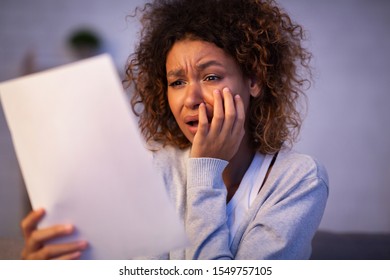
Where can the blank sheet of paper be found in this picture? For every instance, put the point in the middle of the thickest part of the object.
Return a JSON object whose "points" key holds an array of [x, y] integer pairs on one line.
{"points": [[83, 160]]}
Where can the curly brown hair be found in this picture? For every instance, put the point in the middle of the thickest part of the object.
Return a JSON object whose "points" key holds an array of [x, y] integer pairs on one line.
{"points": [[262, 39]]}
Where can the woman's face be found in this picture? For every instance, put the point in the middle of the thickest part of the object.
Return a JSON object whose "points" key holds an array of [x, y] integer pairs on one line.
{"points": [[194, 70]]}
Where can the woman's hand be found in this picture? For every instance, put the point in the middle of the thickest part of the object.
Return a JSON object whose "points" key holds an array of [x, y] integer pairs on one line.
{"points": [[35, 239], [222, 138]]}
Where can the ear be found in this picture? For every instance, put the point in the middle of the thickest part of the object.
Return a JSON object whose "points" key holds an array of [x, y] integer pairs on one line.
{"points": [[254, 87]]}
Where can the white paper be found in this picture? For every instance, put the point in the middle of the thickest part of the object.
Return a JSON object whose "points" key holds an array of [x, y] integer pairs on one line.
{"points": [[83, 160]]}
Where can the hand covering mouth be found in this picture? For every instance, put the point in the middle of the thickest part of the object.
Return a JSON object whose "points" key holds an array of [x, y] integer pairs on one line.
{"points": [[194, 121]]}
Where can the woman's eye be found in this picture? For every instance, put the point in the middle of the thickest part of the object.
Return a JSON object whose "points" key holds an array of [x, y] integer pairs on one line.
{"points": [[212, 78], [176, 83]]}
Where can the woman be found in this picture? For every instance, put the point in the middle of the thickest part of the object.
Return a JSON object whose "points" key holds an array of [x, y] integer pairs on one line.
{"points": [[218, 84]]}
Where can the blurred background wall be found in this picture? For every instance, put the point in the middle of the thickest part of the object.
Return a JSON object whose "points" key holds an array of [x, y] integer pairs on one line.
{"points": [[347, 126]]}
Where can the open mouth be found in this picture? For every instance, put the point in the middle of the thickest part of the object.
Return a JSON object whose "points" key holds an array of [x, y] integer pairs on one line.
{"points": [[193, 123]]}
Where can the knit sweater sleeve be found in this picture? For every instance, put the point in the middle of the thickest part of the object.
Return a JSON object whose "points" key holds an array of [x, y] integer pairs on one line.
{"points": [[206, 210]]}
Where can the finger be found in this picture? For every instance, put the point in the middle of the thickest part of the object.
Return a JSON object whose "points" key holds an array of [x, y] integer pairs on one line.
{"points": [[67, 251], [60, 251], [71, 256], [30, 222], [230, 111], [203, 123], [218, 113], [238, 128], [38, 237]]}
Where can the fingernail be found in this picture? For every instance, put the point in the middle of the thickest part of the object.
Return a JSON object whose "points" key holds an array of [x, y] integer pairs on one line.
{"points": [[68, 228], [40, 211]]}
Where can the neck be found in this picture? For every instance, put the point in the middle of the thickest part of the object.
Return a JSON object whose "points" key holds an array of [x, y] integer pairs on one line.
{"points": [[238, 165]]}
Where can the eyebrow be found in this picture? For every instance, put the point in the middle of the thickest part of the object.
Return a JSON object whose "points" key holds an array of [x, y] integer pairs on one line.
{"points": [[199, 67], [207, 64], [176, 73]]}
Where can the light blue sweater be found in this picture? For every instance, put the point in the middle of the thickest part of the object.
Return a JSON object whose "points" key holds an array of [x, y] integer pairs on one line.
{"points": [[280, 223]]}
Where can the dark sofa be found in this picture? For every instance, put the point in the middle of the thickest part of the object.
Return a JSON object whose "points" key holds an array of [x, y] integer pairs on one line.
{"points": [[350, 246]]}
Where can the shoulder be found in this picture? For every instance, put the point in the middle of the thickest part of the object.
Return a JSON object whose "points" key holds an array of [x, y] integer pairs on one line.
{"points": [[168, 153], [170, 161], [302, 166], [294, 171]]}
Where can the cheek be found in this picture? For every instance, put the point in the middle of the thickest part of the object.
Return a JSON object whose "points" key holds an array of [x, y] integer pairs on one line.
{"points": [[245, 95], [207, 94], [174, 106], [246, 100]]}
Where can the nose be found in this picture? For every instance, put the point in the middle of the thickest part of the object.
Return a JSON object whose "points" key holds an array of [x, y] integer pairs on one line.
{"points": [[194, 96]]}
